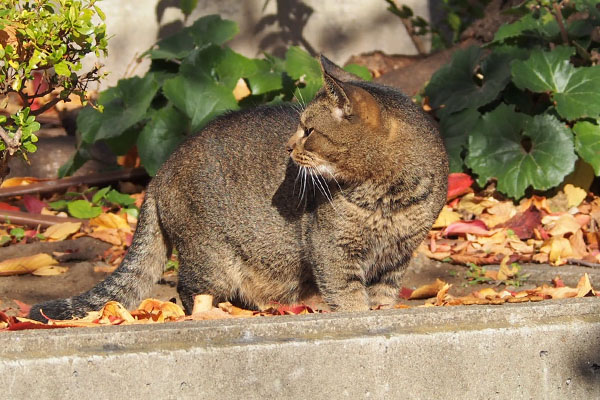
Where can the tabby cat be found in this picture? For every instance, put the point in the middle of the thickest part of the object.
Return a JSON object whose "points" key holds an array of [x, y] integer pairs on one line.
{"points": [[339, 216]]}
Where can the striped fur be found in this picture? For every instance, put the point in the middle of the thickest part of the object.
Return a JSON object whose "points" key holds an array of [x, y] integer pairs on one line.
{"points": [[339, 216]]}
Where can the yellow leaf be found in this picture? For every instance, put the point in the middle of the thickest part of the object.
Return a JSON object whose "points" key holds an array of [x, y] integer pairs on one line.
{"points": [[62, 231], [25, 265], [574, 194], [584, 287], [241, 90], [427, 291], [566, 223], [110, 221], [21, 181], [50, 270], [115, 309], [505, 272], [558, 249], [107, 235], [474, 204], [446, 217]]}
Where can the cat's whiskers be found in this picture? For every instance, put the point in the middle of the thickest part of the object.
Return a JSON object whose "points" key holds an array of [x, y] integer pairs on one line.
{"points": [[303, 180]]}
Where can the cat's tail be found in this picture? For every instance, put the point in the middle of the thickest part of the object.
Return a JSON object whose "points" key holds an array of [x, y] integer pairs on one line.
{"points": [[130, 282]]}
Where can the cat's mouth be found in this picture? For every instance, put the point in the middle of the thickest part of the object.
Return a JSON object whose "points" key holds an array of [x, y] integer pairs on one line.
{"points": [[314, 166]]}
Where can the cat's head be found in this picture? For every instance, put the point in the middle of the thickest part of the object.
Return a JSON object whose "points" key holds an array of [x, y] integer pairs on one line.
{"points": [[341, 132]]}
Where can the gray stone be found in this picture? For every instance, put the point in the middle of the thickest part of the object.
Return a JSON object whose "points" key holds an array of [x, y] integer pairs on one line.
{"points": [[547, 350]]}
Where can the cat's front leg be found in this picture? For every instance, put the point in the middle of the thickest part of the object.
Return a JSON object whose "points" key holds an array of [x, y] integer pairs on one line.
{"points": [[384, 288]]}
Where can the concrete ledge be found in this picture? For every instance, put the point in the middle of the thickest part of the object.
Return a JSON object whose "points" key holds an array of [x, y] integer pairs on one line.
{"points": [[546, 350]]}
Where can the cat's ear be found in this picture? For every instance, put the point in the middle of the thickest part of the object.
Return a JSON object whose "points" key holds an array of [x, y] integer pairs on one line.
{"points": [[330, 68], [349, 99]]}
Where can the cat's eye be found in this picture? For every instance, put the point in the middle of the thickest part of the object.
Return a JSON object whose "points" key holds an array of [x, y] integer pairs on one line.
{"points": [[308, 131]]}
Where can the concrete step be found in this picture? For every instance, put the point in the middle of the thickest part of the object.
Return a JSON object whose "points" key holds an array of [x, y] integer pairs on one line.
{"points": [[545, 350]]}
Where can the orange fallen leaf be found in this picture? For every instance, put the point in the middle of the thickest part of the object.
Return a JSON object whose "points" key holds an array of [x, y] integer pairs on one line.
{"points": [[111, 221], [107, 269], [584, 287], [236, 311], [558, 250], [241, 90], [427, 291], [107, 235], [62, 231], [114, 309], [161, 311], [20, 181], [25, 265], [561, 225]]}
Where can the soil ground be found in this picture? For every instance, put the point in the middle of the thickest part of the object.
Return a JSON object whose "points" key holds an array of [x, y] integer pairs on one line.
{"points": [[81, 276]]}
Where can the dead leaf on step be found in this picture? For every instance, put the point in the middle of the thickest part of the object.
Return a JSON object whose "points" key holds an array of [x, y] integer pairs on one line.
{"points": [[584, 287], [446, 217], [158, 311], [574, 194], [25, 265], [50, 270], [558, 250], [62, 231], [110, 221], [106, 269], [20, 181], [107, 235], [427, 291], [235, 311]]}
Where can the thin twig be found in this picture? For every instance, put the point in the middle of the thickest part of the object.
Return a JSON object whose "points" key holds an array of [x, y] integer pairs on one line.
{"points": [[57, 185], [29, 219], [574, 261], [561, 25]]}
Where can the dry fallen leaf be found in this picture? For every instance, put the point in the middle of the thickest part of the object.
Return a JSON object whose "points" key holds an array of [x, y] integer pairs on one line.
{"points": [[50, 270], [241, 90], [62, 231], [107, 235], [25, 265], [20, 181], [560, 225], [110, 221], [446, 217], [427, 291], [574, 194], [558, 250]]}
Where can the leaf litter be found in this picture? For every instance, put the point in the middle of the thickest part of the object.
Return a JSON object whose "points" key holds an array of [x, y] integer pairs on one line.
{"points": [[472, 229]]}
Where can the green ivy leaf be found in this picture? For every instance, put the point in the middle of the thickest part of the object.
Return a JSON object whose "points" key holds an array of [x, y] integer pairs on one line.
{"points": [[119, 198], [58, 205], [187, 6], [457, 85], [575, 90], [62, 69], [304, 68], [201, 99], [496, 150], [83, 209], [360, 71], [124, 106], [100, 194], [161, 135], [587, 143]]}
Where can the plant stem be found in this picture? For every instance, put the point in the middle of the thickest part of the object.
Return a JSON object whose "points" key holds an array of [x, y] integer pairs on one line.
{"points": [[561, 25]]}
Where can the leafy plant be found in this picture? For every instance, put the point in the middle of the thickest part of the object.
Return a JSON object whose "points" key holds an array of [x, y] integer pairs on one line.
{"points": [[42, 43], [79, 206], [193, 78], [458, 15], [525, 107]]}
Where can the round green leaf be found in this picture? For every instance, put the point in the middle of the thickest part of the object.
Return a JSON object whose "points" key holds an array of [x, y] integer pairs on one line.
{"points": [[161, 135], [587, 143], [459, 85], [455, 130], [496, 149], [576, 91], [83, 209]]}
